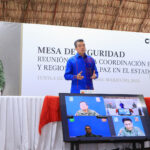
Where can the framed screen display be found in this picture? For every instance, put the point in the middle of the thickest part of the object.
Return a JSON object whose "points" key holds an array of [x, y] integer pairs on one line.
{"points": [[103, 117]]}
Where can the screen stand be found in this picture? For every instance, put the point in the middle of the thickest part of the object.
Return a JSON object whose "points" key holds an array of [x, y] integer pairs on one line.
{"points": [[76, 145], [142, 145], [134, 145]]}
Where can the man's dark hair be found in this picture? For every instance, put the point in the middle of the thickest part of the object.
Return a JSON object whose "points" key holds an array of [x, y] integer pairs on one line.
{"points": [[126, 119], [87, 126], [79, 40]]}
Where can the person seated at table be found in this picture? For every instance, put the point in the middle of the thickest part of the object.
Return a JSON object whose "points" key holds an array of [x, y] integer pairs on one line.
{"points": [[123, 107], [84, 111], [129, 129]]}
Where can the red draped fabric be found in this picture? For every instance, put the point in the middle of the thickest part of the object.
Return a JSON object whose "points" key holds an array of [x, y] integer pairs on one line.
{"points": [[50, 111], [147, 101]]}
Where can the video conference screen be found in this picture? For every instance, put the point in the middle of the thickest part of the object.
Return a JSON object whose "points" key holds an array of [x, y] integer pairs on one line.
{"points": [[102, 117]]}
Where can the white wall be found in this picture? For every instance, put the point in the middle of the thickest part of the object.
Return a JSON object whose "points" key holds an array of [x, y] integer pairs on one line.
{"points": [[10, 39]]}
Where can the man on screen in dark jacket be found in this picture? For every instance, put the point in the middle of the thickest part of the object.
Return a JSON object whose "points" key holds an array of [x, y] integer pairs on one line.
{"points": [[89, 133]]}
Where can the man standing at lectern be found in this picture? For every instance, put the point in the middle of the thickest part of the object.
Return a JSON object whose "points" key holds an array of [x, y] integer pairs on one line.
{"points": [[81, 69]]}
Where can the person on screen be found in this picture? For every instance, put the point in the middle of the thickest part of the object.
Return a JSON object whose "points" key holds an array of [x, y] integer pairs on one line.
{"points": [[88, 131], [85, 111], [134, 105], [121, 105], [81, 69], [2, 79], [129, 129]]}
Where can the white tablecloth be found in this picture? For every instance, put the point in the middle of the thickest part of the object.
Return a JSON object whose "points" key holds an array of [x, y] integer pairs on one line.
{"points": [[19, 120]]}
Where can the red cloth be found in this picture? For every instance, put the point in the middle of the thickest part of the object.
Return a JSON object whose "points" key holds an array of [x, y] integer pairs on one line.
{"points": [[50, 111], [147, 101]]}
